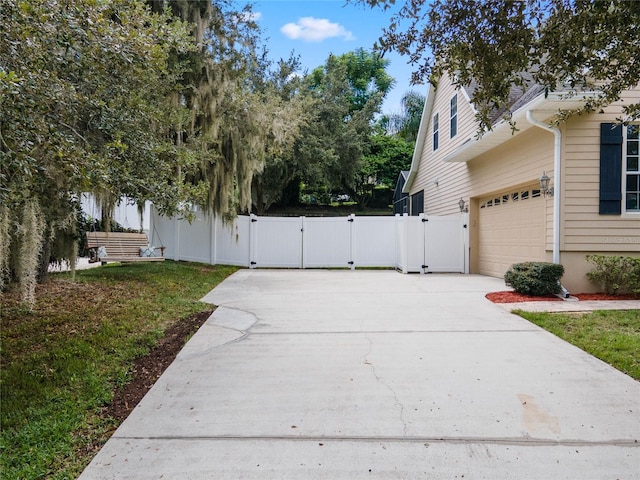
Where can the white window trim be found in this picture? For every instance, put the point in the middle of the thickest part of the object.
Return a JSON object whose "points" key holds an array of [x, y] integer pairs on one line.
{"points": [[453, 116], [435, 127], [623, 179]]}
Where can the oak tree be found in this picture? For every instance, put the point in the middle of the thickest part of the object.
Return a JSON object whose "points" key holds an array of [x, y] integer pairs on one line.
{"points": [[580, 45]]}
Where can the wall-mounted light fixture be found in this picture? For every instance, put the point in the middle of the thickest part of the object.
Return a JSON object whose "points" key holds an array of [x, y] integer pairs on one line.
{"points": [[544, 185], [461, 205], [436, 181]]}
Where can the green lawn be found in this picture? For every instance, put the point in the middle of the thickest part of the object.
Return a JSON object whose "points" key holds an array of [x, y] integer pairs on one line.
{"points": [[61, 362], [612, 335]]}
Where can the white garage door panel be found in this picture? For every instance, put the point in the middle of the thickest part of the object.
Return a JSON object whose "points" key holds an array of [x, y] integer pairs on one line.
{"points": [[509, 233]]}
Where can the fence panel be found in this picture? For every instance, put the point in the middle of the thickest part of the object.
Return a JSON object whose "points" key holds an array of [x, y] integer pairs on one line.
{"points": [[374, 242], [195, 239], [326, 242], [232, 241], [276, 242]]}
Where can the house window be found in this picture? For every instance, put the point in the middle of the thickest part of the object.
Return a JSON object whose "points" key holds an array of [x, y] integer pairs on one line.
{"points": [[631, 170], [436, 130], [453, 122]]}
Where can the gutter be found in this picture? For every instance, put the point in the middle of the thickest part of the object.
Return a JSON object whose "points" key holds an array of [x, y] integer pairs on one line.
{"points": [[557, 164]]}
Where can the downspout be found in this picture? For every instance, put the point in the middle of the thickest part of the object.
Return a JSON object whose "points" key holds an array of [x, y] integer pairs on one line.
{"points": [[557, 173]]}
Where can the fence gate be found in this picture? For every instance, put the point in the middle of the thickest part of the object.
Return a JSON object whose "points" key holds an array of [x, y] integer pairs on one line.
{"points": [[276, 242], [327, 242], [433, 244], [444, 245]]}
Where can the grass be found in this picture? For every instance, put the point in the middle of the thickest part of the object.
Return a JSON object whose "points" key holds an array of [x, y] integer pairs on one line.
{"points": [[611, 335], [61, 362]]}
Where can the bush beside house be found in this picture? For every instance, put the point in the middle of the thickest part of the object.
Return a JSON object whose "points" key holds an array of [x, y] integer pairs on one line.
{"points": [[535, 278]]}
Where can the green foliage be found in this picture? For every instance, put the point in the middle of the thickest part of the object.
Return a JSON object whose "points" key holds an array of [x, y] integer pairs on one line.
{"points": [[290, 108], [406, 124], [386, 157], [84, 89], [488, 44], [534, 278], [149, 100], [62, 360], [612, 336], [367, 75], [615, 274], [331, 147]]}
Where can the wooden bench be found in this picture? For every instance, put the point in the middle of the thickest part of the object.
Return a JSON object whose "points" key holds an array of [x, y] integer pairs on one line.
{"points": [[120, 247]]}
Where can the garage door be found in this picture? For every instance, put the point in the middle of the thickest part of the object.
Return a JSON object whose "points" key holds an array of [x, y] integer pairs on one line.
{"points": [[511, 230]]}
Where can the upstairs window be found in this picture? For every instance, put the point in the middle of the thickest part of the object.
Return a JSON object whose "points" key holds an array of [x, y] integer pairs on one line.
{"points": [[631, 172], [453, 113], [436, 131]]}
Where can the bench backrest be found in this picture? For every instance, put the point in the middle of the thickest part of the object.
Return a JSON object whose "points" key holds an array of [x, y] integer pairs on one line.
{"points": [[118, 243]]}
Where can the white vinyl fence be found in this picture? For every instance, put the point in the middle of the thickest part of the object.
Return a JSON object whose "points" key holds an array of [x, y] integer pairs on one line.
{"points": [[411, 244]]}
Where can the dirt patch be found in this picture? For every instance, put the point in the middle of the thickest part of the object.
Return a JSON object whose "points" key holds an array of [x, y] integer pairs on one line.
{"points": [[148, 369], [514, 297]]}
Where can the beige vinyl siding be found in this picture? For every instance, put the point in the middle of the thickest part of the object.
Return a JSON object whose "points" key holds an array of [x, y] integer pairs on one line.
{"points": [[517, 163], [583, 228], [431, 165]]}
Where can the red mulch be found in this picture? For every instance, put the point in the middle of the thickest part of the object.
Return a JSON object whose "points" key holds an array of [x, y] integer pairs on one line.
{"points": [[513, 297]]}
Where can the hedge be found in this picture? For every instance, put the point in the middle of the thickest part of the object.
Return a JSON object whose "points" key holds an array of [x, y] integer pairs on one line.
{"points": [[615, 274], [535, 278]]}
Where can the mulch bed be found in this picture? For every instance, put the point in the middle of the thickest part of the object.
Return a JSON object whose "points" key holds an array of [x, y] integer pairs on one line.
{"points": [[148, 369], [514, 297]]}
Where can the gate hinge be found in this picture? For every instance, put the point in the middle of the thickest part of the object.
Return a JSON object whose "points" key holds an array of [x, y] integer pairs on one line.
{"points": [[425, 219], [350, 263], [254, 263], [254, 220], [465, 225], [425, 266], [350, 220]]}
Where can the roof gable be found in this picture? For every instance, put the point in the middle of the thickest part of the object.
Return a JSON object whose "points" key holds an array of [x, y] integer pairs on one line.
{"points": [[532, 97]]}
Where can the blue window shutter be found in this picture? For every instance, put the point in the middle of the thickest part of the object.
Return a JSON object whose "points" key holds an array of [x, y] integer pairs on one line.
{"points": [[610, 169]]}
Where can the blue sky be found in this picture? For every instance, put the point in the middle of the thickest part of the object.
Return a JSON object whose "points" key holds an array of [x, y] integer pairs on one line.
{"points": [[316, 28]]}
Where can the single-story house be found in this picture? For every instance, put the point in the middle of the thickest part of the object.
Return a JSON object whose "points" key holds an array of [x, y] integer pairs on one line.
{"points": [[590, 205]]}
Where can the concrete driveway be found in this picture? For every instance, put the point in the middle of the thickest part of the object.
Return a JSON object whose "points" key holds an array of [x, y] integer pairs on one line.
{"points": [[376, 375]]}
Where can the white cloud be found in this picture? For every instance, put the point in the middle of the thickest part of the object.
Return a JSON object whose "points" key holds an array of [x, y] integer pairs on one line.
{"points": [[315, 30]]}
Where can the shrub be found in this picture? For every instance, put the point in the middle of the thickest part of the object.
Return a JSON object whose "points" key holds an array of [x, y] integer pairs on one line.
{"points": [[534, 278], [615, 274]]}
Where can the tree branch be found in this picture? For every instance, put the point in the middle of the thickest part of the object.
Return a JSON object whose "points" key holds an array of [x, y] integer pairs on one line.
{"points": [[76, 132]]}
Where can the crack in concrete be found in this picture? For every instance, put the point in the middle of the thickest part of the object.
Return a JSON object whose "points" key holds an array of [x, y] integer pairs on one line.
{"points": [[240, 322], [386, 385], [184, 354]]}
